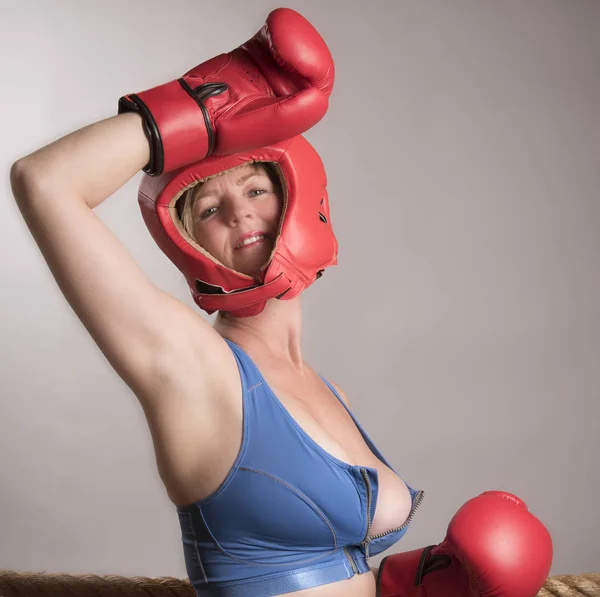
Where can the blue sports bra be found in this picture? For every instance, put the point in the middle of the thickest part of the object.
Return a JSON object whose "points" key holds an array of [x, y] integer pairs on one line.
{"points": [[289, 515]]}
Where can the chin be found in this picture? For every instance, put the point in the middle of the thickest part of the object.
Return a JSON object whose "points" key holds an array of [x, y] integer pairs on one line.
{"points": [[254, 272], [253, 266]]}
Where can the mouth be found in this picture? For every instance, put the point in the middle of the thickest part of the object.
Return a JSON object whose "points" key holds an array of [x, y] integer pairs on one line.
{"points": [[251, 239]]}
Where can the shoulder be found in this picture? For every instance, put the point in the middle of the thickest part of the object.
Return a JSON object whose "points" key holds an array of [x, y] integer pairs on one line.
{"points": [[340, 392]]}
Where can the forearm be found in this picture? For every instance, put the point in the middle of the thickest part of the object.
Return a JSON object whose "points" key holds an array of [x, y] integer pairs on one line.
{"points": [[90, 163]]}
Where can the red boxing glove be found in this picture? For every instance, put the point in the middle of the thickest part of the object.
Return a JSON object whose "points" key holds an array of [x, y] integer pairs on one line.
{"points": [[273, 87], [494, 547]]}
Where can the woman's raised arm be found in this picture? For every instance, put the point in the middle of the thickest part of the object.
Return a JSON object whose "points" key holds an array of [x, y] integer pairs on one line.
{"points": [[141, 330]]}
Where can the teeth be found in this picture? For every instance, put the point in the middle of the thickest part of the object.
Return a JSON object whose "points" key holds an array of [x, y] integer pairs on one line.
{"points": [[251, 239]]}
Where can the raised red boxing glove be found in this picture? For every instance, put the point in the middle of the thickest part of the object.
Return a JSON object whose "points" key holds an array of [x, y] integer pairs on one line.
{"points": [[273, 87], [494, 547]]}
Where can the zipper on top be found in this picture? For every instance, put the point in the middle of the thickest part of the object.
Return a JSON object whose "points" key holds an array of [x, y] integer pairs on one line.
{"points": [[367, 539], [351, 560], [365, 542]]}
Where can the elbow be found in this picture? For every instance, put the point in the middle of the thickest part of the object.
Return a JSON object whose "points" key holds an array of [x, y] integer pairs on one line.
{"points": [[17, 179], [22, 182]]}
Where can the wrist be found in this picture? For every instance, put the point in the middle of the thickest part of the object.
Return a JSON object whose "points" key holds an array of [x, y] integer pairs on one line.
{"points": [[176, 122]]}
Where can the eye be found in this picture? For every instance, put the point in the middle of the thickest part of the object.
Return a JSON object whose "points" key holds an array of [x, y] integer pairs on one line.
{"points": [[208, 212], [256, 192]]}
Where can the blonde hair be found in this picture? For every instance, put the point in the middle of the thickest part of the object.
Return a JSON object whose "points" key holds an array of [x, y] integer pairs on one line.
{"points": [[185, 203]]}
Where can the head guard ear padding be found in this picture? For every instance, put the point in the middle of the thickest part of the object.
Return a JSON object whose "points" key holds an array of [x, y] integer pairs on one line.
{"points": [[305, 243]]}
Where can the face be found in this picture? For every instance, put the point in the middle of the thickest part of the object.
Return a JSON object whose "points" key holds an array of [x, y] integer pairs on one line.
{"points": [[235, 218]]}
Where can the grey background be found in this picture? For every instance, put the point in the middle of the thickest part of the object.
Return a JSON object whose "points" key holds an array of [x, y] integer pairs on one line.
{"points": [[462, 148]]}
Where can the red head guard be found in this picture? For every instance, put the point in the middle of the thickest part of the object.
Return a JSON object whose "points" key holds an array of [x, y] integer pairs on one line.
{"points": [[305, 243]]}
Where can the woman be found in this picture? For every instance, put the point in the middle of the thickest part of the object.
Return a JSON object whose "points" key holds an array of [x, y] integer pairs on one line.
{"points": [[187, 375], [235, 398], [278, 490]]}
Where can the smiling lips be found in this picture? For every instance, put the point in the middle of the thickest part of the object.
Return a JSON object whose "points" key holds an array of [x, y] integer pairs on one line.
{"points": [[251, 239]]}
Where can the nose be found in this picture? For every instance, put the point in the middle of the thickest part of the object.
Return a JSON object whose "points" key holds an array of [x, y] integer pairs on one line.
{"points": [[239, 209]]}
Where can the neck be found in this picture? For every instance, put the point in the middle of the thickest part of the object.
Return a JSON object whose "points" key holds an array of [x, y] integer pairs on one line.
{"points": [[276, 332]]}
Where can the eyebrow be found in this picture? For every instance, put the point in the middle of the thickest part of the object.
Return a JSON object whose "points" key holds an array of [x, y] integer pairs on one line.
{"points": [[240, 181]]}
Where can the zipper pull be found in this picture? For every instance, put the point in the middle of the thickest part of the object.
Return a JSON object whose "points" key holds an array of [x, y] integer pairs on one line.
{"points": [[365, 546]]}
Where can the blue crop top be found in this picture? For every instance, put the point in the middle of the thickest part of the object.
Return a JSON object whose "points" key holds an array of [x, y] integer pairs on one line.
{"points": [[289, 515]]}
